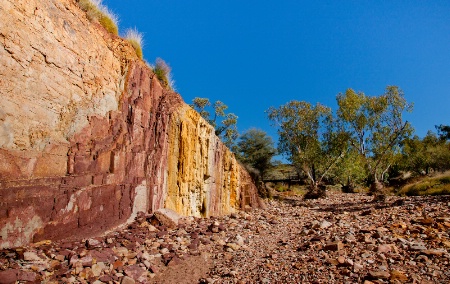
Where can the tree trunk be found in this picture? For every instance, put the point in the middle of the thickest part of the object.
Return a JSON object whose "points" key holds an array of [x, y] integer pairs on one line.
{"points": [[376, 189], [316, 191], [349, 187]]}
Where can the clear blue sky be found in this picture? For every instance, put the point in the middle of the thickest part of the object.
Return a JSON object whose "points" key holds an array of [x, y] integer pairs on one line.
{"points": [[255, 54]]}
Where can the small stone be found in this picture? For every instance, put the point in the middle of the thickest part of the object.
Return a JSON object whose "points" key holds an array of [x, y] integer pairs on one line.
{"points": [[349, 262], [93, 243], [341, 259], [423, 258], [357, 267], [98, 268], [153, 269], [434, 252], [233, 246], [325, 224], [239, 240], [167, 217], [117, 264], [384, 248], [332, 261], [120, 251], [31, 256], [334, 246], [105, 278], [127, 280], [380, 274], [398, 275], [152, 228], [147, 264], [134, 271], [220, 242], [86, 261], [417, 247], [350, 238], [424, 221]]}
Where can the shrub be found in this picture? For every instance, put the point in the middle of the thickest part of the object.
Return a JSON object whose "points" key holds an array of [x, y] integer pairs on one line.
{"points": [[96, 11], [281, 187], [135, 39], [162, 72]]}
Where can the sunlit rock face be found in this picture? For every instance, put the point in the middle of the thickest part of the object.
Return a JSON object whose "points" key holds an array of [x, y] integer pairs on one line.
{"points": [[89, 137]]}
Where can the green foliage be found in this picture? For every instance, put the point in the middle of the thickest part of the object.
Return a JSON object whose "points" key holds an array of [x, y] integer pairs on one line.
{"points": [[350, 170], [256, 149], [162, 72], [443, 131], [309, 137], [375, 127], [200, 105], [226, 128], [96, 11], [281, 187], [135, 38], [423, 155]]}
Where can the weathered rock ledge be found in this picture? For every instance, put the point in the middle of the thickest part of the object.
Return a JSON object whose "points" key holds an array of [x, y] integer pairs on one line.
{"points": [[89, 137]]}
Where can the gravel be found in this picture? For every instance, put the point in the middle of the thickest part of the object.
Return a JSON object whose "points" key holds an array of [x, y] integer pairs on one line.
{"points": [[344, 238]]}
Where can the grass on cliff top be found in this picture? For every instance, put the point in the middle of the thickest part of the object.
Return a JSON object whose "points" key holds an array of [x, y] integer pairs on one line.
{"points": [[162, 72], [96, 11], [135, 38], [436, 185]]}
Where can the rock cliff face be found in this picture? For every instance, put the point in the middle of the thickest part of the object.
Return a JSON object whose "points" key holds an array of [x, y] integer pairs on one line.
{"points": [[89, 137]]}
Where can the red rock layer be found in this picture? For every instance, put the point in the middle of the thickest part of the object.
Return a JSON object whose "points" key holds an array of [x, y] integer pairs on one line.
{"points": [[107, 157]]}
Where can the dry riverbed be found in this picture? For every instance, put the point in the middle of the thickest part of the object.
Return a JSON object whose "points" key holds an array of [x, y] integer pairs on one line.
{"points": [[344, 238]]}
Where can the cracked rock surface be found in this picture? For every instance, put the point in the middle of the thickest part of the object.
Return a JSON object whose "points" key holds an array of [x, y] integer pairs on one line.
{"points": [[344, 238]]}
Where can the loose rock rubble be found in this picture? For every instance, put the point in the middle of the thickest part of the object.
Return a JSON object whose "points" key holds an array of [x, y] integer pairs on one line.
{"points": [[344, 238]]}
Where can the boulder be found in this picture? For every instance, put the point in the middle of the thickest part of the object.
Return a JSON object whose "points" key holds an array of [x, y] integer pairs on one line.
{"points": [[167, 217]]}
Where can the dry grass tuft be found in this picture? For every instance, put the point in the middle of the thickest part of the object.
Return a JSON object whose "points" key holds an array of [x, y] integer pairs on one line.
{"points": [[96, 11], [162, 71], [135, 38], [436, 185]]}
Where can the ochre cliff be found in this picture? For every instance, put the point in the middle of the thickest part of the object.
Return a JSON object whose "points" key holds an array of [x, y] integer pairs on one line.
{"points": [[89, 137]]}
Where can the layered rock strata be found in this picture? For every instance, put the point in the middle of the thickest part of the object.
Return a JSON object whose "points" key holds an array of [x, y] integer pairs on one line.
{"points": [[89, 137]]}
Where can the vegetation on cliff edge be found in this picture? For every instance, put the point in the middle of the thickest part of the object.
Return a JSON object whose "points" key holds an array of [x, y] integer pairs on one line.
{"points": [[135, 38], [96, 11]]}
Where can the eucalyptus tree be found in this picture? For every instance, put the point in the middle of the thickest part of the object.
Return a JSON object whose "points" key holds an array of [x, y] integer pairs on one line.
{"points": [[256, 149], [225, 124], [376, 128], [310, 139]]}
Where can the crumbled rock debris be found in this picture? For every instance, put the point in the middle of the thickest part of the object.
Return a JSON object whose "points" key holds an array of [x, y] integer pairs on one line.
{"points": [[344, 238]]}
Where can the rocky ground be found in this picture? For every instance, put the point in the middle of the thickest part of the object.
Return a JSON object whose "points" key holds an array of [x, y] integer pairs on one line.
{"points": [[344, 238]]}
